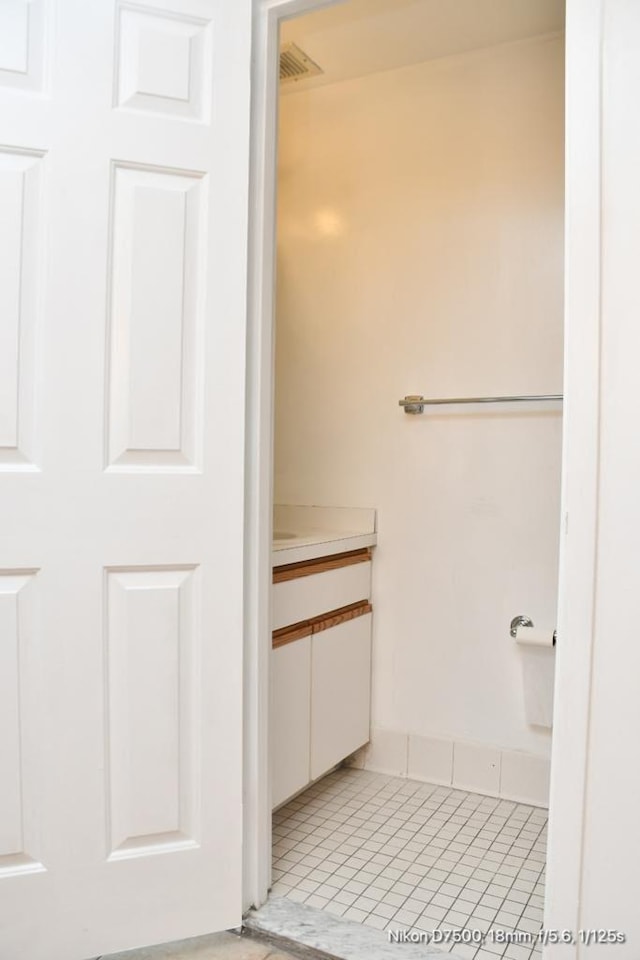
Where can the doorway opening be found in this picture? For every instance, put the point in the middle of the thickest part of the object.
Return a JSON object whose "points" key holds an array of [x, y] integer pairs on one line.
{"points": [[420, 238]]}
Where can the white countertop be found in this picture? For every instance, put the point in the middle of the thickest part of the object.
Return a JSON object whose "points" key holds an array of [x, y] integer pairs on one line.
{"points": [[308, 532], [308, 545]]}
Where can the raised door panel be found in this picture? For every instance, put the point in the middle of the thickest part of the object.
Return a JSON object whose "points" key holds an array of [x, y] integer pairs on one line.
{"points": [[163, 62], [20, 732], [290, 718], [155, 326], [152, 741], [22, 47], [340, 692], [20, 290]]}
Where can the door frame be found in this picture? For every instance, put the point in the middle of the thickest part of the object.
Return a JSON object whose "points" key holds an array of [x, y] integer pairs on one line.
{"points": [[267, 15], [580, 461]]}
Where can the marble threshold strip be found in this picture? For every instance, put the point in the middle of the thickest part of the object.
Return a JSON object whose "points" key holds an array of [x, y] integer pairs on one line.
{"points": [[283, 946], [335, 937]]}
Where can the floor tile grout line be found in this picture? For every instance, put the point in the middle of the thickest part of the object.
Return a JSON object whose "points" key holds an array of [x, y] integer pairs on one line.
{"points": [[476, 834], [444, 800], [511, 886], [328, 819], [412, 811], [435, 893], [408, 896], [360, 807]]}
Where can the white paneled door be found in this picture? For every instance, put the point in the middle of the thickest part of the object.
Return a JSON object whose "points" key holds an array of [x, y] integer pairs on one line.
{"points": [[124, 152]]}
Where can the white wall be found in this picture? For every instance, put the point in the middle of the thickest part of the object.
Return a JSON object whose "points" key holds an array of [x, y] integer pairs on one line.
{"points": [[420, 250]]}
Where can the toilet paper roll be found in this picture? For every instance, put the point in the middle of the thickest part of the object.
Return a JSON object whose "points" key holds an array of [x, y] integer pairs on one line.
{"points": [[538, 674], [534, 636]]}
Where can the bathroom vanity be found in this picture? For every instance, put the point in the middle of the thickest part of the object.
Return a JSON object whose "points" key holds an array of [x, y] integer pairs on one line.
{"points": [[321, 644]]}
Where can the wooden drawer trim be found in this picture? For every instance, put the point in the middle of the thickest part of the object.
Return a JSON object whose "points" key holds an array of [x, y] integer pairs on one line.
{"points": [[336, 617], [324, 622], [288, 634], [306, 568]]}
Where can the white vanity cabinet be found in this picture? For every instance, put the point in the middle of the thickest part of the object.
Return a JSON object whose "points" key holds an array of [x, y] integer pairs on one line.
{"points": [[320, 667]]}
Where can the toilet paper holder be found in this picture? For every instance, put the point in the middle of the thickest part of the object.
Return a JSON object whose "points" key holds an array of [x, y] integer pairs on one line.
{"points": [[522, 621]]}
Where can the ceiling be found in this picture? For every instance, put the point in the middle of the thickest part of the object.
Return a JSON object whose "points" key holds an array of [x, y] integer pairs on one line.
{"points": [[357, 37]]}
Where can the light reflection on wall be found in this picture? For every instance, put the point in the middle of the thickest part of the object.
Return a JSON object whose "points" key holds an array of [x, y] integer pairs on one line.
{"points": [[329, 223]]}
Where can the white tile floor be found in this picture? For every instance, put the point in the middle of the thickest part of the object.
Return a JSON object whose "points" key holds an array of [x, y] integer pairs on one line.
{"points": [[401, 854]]}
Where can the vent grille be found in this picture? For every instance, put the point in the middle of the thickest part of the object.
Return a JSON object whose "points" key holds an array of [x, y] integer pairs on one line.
{"points": [[296, 65]]}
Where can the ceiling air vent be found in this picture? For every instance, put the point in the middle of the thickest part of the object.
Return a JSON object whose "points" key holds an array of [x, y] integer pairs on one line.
{"points": [[295, 64]]}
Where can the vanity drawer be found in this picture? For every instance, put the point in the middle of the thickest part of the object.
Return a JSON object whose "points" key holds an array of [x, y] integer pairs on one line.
{"points": [[305, 591]]}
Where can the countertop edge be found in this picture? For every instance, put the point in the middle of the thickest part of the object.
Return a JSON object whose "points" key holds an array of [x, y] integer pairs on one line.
{"points": [[324, 548]]}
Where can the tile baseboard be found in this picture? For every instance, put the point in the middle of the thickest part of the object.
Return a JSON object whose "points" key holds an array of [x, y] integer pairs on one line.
{"points": [[508, 774]]}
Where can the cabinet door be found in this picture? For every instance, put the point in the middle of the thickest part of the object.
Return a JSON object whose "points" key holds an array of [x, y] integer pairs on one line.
{"points": [[340, 692], [290, 718]]}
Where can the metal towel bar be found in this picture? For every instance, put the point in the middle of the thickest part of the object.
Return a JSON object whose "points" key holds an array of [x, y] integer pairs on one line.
{"points": [[416, 404]]}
